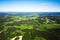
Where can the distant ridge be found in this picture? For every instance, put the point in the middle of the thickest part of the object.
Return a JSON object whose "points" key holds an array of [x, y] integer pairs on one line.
{"points": [[29, 13]]}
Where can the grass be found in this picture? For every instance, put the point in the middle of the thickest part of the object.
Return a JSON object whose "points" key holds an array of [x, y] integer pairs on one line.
{"points": [[31, 27]]}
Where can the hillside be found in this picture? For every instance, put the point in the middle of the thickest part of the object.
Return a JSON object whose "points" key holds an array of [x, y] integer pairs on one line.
{"points": [[31, 26]]}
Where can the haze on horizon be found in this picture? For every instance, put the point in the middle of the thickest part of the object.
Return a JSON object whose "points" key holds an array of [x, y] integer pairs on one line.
{"points": [[29, 5]]}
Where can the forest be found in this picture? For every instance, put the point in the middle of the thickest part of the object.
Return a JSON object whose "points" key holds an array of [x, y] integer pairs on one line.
{"points": [[31, 26]]}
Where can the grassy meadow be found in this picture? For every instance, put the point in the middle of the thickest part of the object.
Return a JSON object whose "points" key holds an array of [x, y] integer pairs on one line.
{"points": [[31, 26]]}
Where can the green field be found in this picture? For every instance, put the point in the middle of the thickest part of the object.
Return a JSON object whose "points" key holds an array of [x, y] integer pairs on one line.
{"points": [[31, 27]]}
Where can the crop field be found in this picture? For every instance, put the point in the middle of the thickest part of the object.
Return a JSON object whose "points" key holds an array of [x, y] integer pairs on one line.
{"points": [[31, 26]]}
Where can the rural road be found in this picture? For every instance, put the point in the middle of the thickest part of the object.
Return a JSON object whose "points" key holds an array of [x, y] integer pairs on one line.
{"points": [[20, 38]]}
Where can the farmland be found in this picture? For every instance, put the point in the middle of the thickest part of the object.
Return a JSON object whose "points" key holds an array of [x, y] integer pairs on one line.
{"points": [[31, 26]]}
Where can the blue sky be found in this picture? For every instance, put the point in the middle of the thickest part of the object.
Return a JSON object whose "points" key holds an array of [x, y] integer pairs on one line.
{"points": [[29, 5]]}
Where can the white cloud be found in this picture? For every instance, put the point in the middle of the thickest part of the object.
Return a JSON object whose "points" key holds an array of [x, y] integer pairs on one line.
{"points": [[42, 7]]}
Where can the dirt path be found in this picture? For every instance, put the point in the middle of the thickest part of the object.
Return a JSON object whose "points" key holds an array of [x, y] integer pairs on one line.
{"points": [[13, 38], [20, 38]]}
